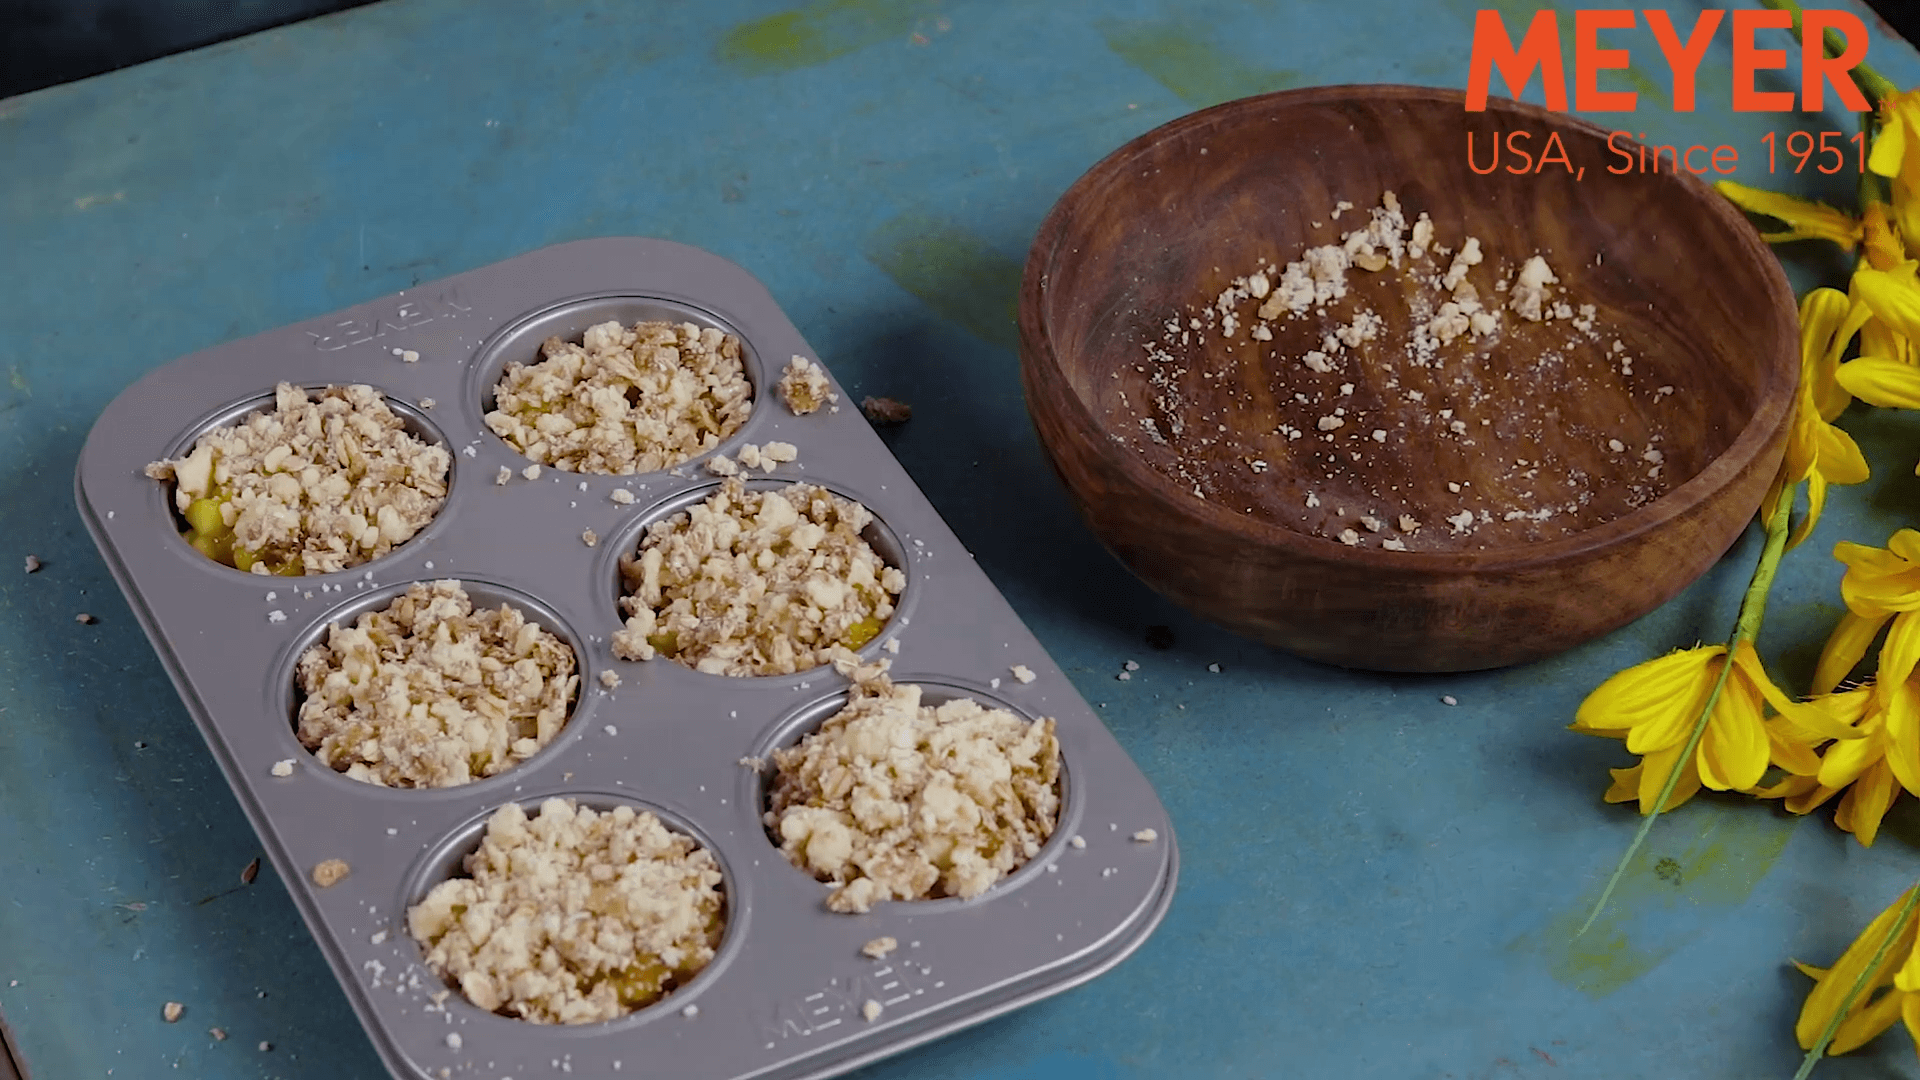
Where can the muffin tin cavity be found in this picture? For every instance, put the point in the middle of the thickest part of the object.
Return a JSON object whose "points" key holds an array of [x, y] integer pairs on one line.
{"points": [[647, 987], [807, 720], [862, 639], [521, 344], [413, 422], [476, 690]]}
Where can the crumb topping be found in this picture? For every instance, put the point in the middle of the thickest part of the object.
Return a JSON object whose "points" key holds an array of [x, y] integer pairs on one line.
{"points": [[573, 916], [895, 800], [320, 484], [428, 692], [804, 386], [625, 399], [756, 583], [1388, 346]]}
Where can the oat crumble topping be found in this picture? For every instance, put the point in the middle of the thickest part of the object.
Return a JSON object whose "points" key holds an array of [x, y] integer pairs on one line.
{"points": [[573, 916], [319, 484], [756, 583], [428, 692], [804, 386], [895, 800], [625, 400]]}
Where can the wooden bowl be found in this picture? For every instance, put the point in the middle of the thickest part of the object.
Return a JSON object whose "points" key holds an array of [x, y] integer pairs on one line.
{"points": [[1601, 470]]}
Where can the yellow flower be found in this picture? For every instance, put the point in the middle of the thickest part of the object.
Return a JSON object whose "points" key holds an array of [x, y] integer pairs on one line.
{"points": [[1880, 584], [1898, 975], [1896, 155], [1805, 220], [1886, 373], [1653, 706], [1818, 453], [1858, 767]]}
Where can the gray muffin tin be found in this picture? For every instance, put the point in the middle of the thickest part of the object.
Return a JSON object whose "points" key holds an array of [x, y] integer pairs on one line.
{"points": [[784, 996]]}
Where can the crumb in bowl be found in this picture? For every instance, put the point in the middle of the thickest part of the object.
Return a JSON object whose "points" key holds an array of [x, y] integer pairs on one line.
{"points": [[429, 692], [756, 583], [574, 916], [1388, 347], [895, 800], [320, 484], [624, 400]]}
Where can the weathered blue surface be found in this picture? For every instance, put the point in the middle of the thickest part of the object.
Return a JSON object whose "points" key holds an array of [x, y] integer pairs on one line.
{"points": [[1375, 885]]}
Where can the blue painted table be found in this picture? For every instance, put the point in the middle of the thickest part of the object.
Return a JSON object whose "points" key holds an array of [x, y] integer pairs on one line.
{"points": [[1374, 884]]}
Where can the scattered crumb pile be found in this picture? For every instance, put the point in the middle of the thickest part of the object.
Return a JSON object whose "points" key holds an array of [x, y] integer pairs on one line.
{"points": [[624, 400], [751, 456], [573, 916], [804, 386], [1371, 390], [756, 583], [317, 485], [428, 692], [895, 800]]}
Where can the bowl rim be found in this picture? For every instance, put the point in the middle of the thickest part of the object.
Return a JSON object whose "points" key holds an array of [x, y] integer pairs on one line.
{"points": [[1771, 413]]}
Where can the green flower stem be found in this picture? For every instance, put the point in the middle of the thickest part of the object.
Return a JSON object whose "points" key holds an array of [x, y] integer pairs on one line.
{"points": [[1860, 984], [1753, 608], [1873, 84]]}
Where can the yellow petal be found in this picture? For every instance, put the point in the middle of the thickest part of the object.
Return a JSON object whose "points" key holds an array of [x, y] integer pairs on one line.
{"points": [[1900, 652], [1823, 1002], [1907, 976], [1890, 146], [1876, 339], [1878, 239], [1816, 502], [1843, 763], [1653, 776], [1626, 785], [1866, 802], [1893, 295], [1809, 800], [1845, 647], [1658, 700], [1733, 751], [1810, 971], [1889, 384], [1788, 750], [1865, 1024], [1903, 735], [1837, 457], [1805, 220], [1806, 717], [1905, 544]]}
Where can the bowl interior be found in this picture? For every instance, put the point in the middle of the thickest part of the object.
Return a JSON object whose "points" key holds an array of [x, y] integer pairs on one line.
{"points": [[1536, 431]]}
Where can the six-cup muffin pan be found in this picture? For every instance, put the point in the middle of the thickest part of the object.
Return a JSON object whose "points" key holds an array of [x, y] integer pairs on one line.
{"points": [[784, 995]]}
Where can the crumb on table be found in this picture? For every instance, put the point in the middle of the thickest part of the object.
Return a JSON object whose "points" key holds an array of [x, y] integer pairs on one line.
{"points": [[331, 872]]}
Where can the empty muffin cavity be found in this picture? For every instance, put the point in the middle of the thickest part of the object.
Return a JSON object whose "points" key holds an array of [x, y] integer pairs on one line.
{"points": [[437, 688], [320, 482], [907, 792], [574, 914], [623, 399], [758, 578]]}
